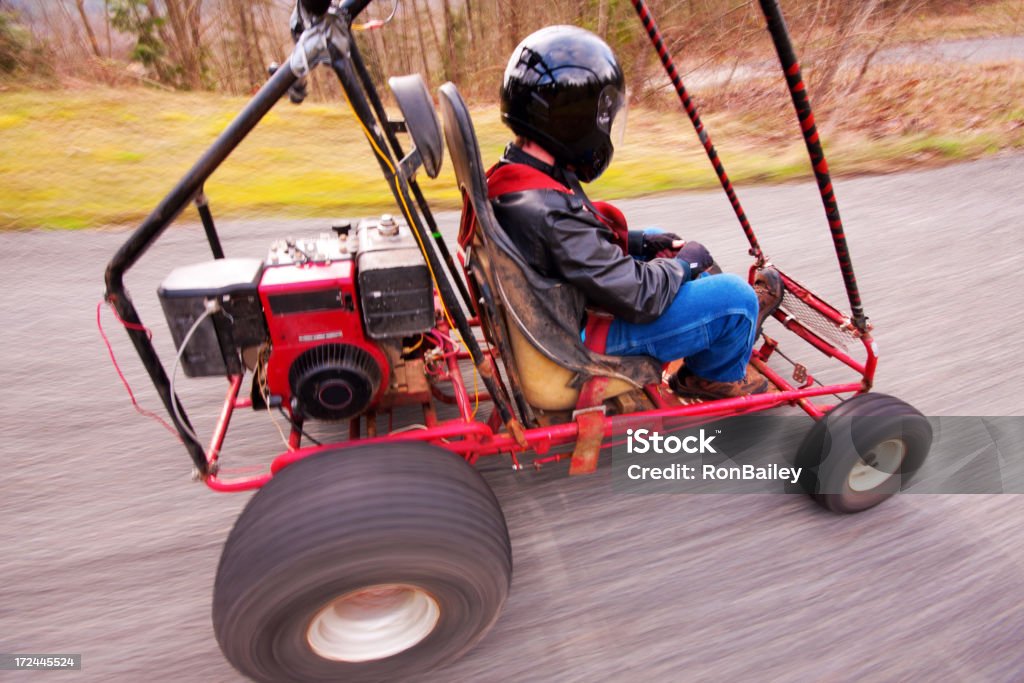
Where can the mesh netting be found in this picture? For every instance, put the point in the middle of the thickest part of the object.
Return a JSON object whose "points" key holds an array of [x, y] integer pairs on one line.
{"points": [[814, 321]]}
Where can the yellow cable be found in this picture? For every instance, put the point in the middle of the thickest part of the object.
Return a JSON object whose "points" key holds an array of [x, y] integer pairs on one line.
{"points": [[415, 346], [408, 216], [476, 395], [405, 207]]}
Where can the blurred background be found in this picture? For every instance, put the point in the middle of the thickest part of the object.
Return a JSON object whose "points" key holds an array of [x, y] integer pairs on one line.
{"points": [[111, 100], [110, 551]]}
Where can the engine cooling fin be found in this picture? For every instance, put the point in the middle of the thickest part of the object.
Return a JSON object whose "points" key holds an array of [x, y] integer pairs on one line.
{"points": [[334, 381]]}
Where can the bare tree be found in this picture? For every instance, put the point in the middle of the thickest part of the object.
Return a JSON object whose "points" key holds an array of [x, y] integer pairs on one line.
{"points": [[184, 19], [225, 43], [433, 31], [508, 17], [470, 28], [248, 44], [106, 26], [453, 58], [80, 4], [422, 43], [851, 20], [903, 10]]}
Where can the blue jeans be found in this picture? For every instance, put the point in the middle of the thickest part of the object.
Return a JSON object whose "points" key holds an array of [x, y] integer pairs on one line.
{"points": [[710, 323]]}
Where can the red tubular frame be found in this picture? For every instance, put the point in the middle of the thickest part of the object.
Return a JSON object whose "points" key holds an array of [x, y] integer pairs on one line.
{"points": [[221, 430], [794, 288], [472, 439]]}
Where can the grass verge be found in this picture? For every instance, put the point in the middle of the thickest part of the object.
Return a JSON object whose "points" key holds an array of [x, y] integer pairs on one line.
{"points": [[96, 157]]}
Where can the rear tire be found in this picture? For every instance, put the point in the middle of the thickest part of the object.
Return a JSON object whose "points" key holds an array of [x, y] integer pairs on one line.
{"points": [[862, 452], [362, 564]]}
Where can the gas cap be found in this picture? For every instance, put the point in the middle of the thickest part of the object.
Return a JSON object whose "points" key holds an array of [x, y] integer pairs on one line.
{"points": [[387, 227]]}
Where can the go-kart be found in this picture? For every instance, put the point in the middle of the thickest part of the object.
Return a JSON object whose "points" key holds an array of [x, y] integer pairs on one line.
{"points": [[384, 553]]}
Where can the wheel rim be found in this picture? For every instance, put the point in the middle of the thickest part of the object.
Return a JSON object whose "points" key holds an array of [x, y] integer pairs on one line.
{"points": [[876, 466], [373, 622]]}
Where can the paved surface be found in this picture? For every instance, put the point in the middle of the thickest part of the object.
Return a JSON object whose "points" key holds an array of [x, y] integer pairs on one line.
{"points": [[109, 551], [964, 51]]}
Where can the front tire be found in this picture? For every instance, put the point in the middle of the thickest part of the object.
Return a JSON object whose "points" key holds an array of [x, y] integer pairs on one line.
{"points": [[862, 452], [362, 564]]}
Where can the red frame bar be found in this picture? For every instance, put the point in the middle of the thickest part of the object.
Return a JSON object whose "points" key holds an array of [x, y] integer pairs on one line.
{"points": [[473, 440], [866, 369], [221, 430]]}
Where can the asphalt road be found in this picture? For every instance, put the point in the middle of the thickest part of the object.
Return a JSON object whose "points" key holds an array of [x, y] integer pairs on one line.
{"points": [[963, 51], [110, 551]]}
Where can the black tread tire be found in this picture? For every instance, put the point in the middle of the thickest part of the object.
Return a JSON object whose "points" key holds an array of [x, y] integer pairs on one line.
{"points": [[835, 444], [407, 513]]}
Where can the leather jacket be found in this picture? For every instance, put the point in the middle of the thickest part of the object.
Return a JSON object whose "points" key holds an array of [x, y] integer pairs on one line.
{"points": [[559, 235]]}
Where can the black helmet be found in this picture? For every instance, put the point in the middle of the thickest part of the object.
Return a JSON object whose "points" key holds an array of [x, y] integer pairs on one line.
{"points": [[563, 88]]}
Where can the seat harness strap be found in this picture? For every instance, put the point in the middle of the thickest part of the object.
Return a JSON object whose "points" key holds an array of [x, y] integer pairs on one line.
{"points": [[504, 178]]}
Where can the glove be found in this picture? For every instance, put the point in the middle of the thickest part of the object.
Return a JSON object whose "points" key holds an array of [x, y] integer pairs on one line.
{"points": [[660, 245], [697, 256]]}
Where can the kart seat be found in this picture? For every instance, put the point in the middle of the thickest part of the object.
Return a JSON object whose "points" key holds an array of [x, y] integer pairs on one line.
{"points": [[533, 317]]}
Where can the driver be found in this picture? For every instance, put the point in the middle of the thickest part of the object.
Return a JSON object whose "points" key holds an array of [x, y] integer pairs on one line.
{"points": [[564, 97]]}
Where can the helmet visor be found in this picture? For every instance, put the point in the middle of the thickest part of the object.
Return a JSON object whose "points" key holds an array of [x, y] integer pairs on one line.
{"points": [[612, 109]]}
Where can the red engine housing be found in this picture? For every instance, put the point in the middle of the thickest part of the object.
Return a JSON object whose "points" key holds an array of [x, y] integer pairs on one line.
{"points": [[321, 364]]}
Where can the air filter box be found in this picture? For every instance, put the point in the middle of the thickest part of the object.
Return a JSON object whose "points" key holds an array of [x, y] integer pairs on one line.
{"points": [[395, 290], [214, 347]]}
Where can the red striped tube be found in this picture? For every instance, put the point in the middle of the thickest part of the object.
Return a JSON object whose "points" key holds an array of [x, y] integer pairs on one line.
{"points": [[798, 91], [691, 110]]}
